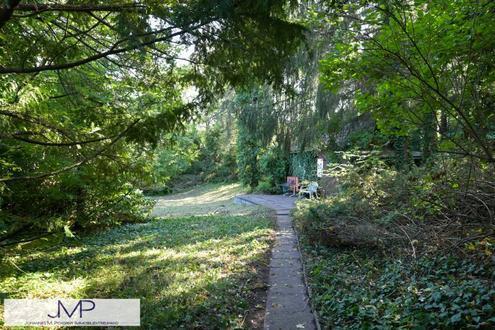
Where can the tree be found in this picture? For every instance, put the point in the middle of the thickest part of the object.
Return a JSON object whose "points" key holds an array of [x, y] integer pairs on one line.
{"points": [[421, 65], [89, 88], [121, 38]]}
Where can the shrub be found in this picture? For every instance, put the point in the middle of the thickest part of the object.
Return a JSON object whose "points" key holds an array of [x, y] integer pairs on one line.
{"points": [[80, 200], [247, 158], [378, 205], [265, 186], [273, 167], [303, 165]]}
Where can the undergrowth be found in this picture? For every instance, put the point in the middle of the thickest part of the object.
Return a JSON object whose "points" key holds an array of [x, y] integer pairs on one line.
{"points": [[403, 249]]}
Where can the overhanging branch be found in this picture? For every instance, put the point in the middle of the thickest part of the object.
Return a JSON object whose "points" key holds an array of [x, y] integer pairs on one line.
{"points": [[77, 164], [54, 144], [86, 8], [112, 51]]}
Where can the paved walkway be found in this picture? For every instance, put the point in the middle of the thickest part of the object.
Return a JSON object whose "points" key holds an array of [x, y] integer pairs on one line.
{"points": [[287, 305]]}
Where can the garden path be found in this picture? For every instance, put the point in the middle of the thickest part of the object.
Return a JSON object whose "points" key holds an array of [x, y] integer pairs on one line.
{"points": [[287, 304]]}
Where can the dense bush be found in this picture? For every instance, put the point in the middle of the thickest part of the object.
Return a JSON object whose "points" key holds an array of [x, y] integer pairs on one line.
{"points": [[93, 196], [174, 157], [273, 166], [216, 161], [247, 158], [303, 165], [190, 157], [451, 203]]}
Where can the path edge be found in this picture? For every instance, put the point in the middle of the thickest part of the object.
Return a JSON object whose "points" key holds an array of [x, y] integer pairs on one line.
{"points": [[306, 282], [240, 200]]}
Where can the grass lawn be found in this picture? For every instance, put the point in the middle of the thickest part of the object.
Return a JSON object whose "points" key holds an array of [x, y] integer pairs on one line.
{"points": [[207, 199], [201, 270]]}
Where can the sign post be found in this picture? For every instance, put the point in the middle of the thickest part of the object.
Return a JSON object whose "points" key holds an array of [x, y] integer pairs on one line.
{"points": [[319, 167]]}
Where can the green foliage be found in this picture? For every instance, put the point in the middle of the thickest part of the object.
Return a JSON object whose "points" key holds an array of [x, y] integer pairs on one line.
{"points": [[378, 205], [88, 90], [283, 118], [273, 167], [247, 157], [207, 153], [198, 267], [217, 160], [175, 156], [368, 140], [261, 156], [303, 165], [353, 289], [80, 158], [406, 60]]}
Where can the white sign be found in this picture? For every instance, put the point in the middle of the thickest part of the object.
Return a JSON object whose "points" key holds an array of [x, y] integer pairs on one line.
{"points": [[319, 167], [72, 312]]}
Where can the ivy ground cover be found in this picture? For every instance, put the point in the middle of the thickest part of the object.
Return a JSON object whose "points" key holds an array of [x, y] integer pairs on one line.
{"points": [[194, 271]]}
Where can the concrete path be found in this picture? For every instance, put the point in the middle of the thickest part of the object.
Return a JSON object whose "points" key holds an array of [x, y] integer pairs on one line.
{"points": [[287, 305]]}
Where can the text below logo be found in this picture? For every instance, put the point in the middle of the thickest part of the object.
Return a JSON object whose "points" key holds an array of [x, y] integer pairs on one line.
{"points": [[72, 312]]}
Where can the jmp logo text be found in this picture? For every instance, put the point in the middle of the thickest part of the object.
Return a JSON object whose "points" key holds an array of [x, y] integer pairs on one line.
{"points": [[80, 306]]}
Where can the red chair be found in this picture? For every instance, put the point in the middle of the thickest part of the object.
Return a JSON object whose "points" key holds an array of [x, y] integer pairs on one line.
{"points": [[293, 182]]}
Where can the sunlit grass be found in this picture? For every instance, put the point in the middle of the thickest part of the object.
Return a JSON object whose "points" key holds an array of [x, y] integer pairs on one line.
{"points": [[189, 271], [206, 200]]}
